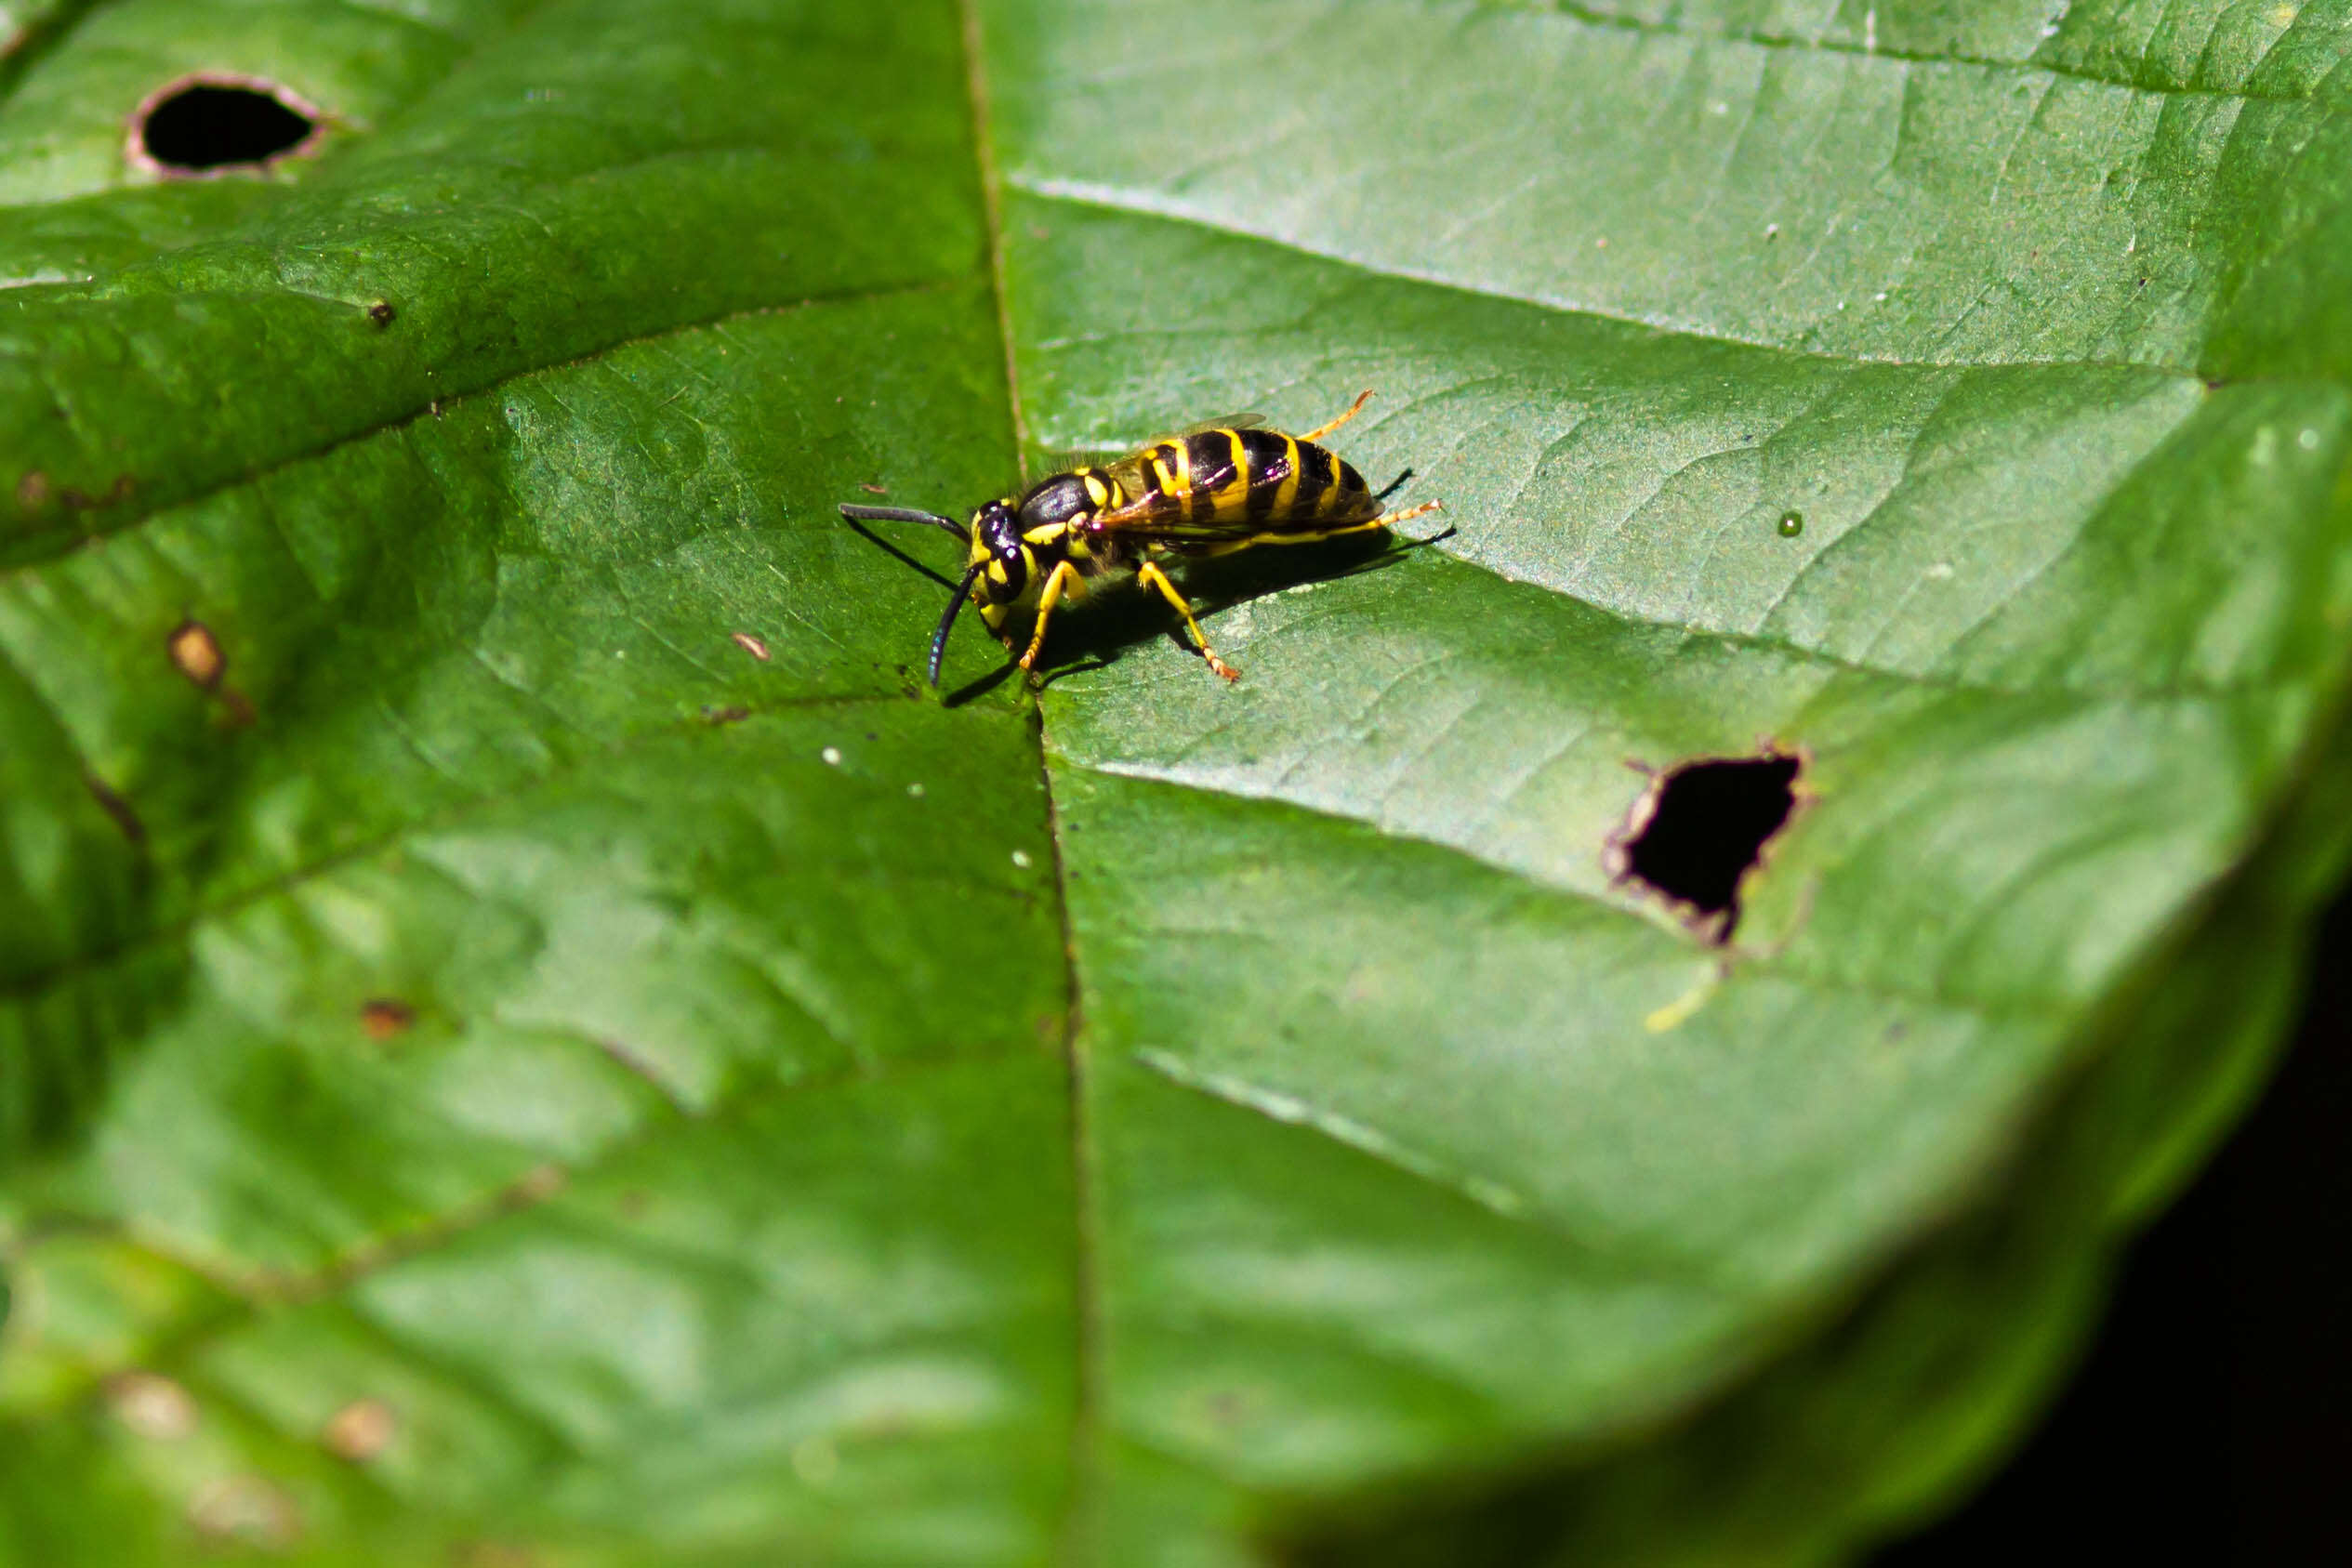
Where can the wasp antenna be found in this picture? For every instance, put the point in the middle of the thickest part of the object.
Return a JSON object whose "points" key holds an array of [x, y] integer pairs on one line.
{"points": [[947, 622], [902, 514]]}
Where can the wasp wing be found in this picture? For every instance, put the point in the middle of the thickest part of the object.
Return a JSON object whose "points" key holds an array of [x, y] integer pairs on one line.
{"points": [[1171, 522], [1224, 422], [1128, 469], [1125, 462], [1159, 520]]}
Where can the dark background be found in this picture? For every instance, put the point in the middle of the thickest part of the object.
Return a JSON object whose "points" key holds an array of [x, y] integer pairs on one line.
{"points": [[2212, 1422]]}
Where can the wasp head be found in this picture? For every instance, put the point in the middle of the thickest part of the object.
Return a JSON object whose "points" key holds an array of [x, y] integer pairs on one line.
{"points": [[997, 552], [995, 529]]}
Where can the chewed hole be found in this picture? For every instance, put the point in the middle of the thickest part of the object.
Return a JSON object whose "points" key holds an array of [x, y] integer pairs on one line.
{"points": [[1702, 827], [208, 125]]}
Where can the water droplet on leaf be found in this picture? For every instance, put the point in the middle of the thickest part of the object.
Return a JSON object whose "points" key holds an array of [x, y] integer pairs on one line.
{"points": [[1791, 524]]}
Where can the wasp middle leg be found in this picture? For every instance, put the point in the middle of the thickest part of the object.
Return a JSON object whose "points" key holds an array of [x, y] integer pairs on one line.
{"points": [[1150, 573]]}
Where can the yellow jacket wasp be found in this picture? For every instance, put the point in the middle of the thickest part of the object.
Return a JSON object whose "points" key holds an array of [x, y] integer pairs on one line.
{"points": [[1224, 487]]}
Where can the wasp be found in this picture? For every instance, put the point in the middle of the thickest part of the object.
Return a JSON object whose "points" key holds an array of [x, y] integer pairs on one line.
{"points": [[1209, 491]]}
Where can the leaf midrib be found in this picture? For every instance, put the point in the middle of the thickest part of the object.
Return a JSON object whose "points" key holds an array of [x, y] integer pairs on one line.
{"points": [[1083, 1517]]}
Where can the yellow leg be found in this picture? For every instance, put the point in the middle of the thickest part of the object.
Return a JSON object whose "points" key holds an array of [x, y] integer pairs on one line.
{"points": [[1150, 573], [1322, 430], [1390, 519], [1063, 575]]}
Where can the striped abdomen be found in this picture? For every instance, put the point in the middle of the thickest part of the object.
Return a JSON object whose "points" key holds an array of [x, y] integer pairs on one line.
{"points": [[1278, 483]]}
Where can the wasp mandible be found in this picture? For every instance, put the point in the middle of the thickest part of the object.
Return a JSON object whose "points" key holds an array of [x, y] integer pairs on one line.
{"points": [[1211, 491]]}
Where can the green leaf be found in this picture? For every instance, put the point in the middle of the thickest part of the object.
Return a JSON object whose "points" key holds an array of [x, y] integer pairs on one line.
{"points": [[527, 1034]]}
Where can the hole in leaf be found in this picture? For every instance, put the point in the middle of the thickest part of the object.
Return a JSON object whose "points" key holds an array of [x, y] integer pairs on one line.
{"points": [[206, 124], [1702, 825]]}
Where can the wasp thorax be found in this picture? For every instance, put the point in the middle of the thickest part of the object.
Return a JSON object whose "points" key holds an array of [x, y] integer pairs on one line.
{"points": [[1055, 500]]}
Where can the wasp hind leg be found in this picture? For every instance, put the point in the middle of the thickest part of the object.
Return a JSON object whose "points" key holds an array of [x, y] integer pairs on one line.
{"points": [[1353, 408], [1150, 573], [1386, 520], [1390, 519], [1059, 580]]}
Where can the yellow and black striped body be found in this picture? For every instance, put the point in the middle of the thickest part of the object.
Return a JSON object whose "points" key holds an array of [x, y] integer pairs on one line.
{"points": [[1194, 488], [1206, 492]]}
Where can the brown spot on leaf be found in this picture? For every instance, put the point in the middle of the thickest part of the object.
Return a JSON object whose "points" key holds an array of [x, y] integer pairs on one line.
{"points": [[151, 1406], [385, 1018], [381, 312], [360, 1430], [874, 489], [536, 1185], [733, 713], [752, 646], [32, 490], [197, 653]]}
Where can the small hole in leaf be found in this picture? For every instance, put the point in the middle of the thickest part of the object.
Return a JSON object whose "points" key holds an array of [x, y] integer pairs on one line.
{"points": [[207, 124], [1703, 825]]}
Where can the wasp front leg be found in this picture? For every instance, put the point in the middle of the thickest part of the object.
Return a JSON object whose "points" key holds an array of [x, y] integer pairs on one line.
{"points": [[1150, 573], [993, 617], [1063, 579]]}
